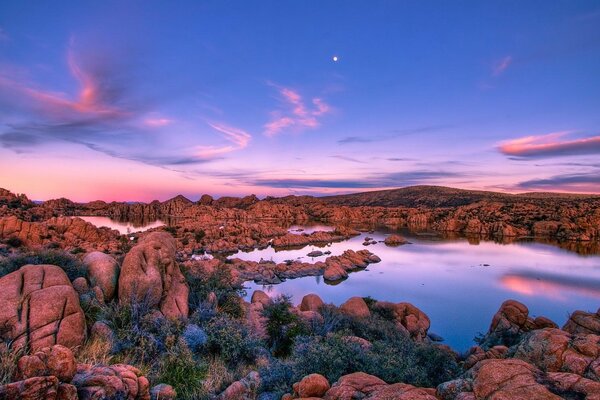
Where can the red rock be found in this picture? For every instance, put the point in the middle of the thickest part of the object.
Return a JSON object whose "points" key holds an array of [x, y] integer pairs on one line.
{"points": [[38, 388], [163, 392], [395, 240], [260, 297], [313, 385], [102, 271], [353, 386], [583, 322], [40, 308], [150, 273], [115, 381], [50, 361], [311, 302], [356, 307]]}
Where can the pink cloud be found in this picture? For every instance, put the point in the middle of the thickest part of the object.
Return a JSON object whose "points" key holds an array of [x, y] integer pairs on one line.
{"points": [[237, 137], [295, 114], [502, 65], [550, 145], [157, 122]]}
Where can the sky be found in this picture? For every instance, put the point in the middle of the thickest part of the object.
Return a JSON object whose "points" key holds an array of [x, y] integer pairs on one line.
{"points": [[142, 100]]}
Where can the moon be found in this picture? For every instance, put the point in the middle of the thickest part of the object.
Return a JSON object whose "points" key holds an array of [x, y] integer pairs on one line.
{"points": [[335, 58]]}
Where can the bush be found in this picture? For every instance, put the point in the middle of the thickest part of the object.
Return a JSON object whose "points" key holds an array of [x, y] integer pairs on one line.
{"points": [[178, 368], [277, 378], [219, 283], [71, 265], [231, 340], [14, 242], [282, 326], [195, 337], [199, 235]]}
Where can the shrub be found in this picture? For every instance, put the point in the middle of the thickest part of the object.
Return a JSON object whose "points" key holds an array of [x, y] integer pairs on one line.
{"points": [[195, 337], [71, 265], [8, 363], [199, 235], [277, 378], [77, 250], [14, 242], [282, 326], [218, 282], [231, 340], [178, 368]]}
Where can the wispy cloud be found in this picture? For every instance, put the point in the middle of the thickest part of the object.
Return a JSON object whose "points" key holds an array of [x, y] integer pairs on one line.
{"points": [[501, 65], [394, 134], [3, 35], [237, 137], [295, 114], [586, 182], [346, 158], [550, 145], [386, 180], [104, 114]]}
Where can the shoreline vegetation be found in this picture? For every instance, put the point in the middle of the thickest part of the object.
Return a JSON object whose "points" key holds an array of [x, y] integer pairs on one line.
{"points": [[88, 313]]}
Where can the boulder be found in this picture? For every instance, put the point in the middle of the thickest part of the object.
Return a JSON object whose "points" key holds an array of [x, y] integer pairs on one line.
{"points": [[408, 317], [583, 322], [103, 272], [150, 273], [554, 350], [395, 240], [40, 308], [311, 302], [354, 386], [260, 297], [119, 381], [37, 388], [510, 322], [244, 389], [55, 361], [356, 307], [498, 379], [163, 392], [313, 385]]}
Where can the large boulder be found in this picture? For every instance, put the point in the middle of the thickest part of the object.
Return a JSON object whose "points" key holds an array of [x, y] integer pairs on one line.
{"points": [[395, 240], [103, 272], [409, 318], [150, 273], [43, 387], [119, 381], [356, 307], [554, 350], [512, 321], [40, 308], [498, 379], [583, 322], [244, 389], [360, 385], [50, 361], [311, 302], [313, 385]]}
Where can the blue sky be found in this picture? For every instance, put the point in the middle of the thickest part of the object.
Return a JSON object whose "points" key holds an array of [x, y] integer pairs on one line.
{"points": [[141, 100]]}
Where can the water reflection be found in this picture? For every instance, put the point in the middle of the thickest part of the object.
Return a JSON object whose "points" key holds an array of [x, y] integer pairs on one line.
{"points": [[458, 282], [124, 227]]}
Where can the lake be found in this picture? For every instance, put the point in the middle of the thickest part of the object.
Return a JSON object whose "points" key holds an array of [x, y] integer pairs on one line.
{"points": [[124, 227], [458, 284]]}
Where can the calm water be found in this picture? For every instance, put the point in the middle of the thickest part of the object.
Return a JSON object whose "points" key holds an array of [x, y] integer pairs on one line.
{"points": [[124, 228], [459, 285]]}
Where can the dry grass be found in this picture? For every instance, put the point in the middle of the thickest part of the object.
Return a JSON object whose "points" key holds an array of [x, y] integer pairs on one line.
{"points": [[8, 363], [95, 351]]}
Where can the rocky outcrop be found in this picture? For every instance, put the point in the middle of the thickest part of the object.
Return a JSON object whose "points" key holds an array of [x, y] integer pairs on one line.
{"points": [[364, 386], [102, 272], [65, 231], [498, 379], [244, 389], [313, 385], [55, 361], [119, 381], [554, 350], [40, 308], [510, 322], [38, 388], [151, 274], [409, 318], [583, 322], [395, 240]]}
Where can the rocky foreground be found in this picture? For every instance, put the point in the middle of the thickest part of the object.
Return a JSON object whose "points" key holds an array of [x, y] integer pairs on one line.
{"points": [[60, 337]]}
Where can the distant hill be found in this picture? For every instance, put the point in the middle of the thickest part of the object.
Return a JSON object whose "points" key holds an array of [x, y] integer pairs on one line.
{"points": [[438, 196]]}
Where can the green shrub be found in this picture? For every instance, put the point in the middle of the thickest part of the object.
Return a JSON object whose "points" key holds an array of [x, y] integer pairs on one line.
{"points": [[199, 235], [231, 340], [71, 265], [282, 326], [178, 368], [219, 283]]}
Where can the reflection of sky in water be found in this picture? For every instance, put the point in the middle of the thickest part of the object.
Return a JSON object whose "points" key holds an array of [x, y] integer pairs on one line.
{"points": [[448, 280], [123, 227]]}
